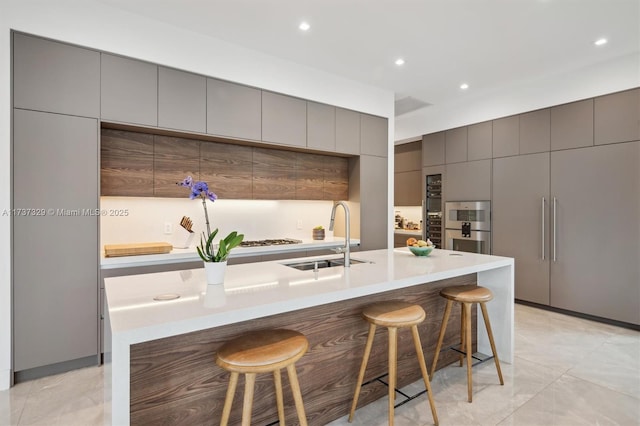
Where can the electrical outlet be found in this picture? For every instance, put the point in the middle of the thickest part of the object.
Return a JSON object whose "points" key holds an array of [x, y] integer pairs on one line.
{"points": [[299, 224], [168, 228]]}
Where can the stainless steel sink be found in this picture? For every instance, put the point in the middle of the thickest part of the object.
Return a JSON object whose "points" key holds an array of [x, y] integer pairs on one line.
{"points": [[309, 265]]}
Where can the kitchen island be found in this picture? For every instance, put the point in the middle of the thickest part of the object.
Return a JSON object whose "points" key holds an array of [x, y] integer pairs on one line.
{"points": [[163, 351]]}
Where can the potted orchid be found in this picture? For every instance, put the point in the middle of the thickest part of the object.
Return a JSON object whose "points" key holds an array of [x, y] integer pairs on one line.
{"points": [[215, 261]]}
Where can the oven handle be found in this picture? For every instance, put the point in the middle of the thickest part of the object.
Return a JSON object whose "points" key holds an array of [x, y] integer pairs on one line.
{"points": [[555, 229], [543, 204]]}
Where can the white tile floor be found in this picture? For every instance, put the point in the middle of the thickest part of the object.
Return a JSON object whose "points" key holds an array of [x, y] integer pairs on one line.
{"points": [[567, 371]]}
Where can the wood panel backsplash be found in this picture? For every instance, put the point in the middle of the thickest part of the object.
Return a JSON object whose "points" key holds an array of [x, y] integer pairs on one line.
{"points": [[140, 164]]}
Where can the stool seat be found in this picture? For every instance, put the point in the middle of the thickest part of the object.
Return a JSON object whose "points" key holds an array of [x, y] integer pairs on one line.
{"points": [[258, 351], [467, 294], [394, 314], [262, 351]]}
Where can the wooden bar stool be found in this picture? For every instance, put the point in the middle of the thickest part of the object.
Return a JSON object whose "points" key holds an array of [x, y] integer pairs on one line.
{"points": [[393, 315], [263, 351], [466, 295]]}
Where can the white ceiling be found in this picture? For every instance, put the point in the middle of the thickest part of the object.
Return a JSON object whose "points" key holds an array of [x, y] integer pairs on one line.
{"points": [[490, 44]]}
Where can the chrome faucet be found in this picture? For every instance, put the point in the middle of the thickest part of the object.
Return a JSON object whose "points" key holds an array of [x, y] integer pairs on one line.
{"points": [[346, 248]]}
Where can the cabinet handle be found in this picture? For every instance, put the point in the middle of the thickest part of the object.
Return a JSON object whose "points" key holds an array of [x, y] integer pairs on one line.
{"points": [[543, 204], [555, 229]]}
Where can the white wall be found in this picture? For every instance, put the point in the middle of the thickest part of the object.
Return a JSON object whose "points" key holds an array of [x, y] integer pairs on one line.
{"points": [[92, 24], [607, 77]]}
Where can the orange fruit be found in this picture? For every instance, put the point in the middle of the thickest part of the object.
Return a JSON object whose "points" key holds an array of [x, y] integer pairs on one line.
{"points": [[411, 241]]}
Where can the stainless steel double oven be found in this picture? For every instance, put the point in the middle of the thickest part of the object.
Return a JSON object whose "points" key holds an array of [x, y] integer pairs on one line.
{"points": [[468, 226]]}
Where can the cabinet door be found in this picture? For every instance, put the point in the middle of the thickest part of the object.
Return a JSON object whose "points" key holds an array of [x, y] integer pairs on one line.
{"points": [[596, 269], [321, 126], [56, 77], [55, 257], [335, 184], [126, 167], [182, 100], [347, 131], [535, 131], [470, 181], [233, 110], [617, 117], [284, 119], [572, 125], [274, 174], [374, 133], [309, 176], [173, 160], [433, 149], [479, 141], [408, 157], [129, 90], [374, 206], [455, 145], [407, 188], [519, 214], [227, 169], [506, 136]]}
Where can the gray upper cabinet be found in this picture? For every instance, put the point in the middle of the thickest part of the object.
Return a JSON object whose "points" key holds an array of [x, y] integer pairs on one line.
{"points": [[617, 117], [455, 145], [506, 136], [347, 131], [407, 188], [374, 135], [55, 304], [284, 119], [433, 149], [129, 90], [55, 77], [182, 100], [535, 131], [321, 126], [408, 157], [468, 181], [572, 125], [479, 141], [234, 110]]}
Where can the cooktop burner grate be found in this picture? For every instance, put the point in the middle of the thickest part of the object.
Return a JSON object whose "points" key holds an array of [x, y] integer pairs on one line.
{"points": [[273, 242]]}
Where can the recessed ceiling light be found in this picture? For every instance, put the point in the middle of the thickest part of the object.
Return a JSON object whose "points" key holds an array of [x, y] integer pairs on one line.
{"points": [[464, 86], [600, 41], [304, 26], [399, 61]]}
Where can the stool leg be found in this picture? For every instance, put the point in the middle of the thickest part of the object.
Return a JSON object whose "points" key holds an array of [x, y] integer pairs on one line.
{"points": [[443, 327], [228, 401], [467, 326], [393, 351], [277, 379], [423, 368], [297, 395], [485, 315], [462, 331], [363, 367], [247, 405]]}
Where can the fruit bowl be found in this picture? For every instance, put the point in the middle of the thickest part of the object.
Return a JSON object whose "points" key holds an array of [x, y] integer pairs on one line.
{"points": [[421, 251]]}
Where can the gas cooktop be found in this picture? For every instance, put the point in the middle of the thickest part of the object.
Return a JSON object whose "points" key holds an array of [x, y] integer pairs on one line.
{"points": [[274, 242]]}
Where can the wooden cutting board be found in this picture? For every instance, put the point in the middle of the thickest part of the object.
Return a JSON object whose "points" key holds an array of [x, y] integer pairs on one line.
{"points": [[114, 250]]}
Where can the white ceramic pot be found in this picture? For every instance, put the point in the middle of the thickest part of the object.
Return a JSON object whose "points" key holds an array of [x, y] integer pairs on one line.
{"points": [[215, 272]]}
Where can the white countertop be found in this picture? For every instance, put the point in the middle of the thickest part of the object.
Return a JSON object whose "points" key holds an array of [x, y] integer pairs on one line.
{"points": [[190, 255], [260, 289], [256, 290], [407, 231]]}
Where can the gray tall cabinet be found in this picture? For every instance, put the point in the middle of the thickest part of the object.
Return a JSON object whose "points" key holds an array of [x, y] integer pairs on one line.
{"points": [[567, 207], [56, 98]]}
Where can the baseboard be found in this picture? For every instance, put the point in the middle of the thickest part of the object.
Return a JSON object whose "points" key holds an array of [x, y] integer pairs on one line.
{"points": [[5, 379]]}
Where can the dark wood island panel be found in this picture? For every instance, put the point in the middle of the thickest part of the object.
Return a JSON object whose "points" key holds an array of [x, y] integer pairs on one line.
{"points": [[175, 380]]}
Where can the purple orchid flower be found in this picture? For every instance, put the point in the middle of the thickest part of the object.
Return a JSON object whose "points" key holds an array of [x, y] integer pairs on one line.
{"points": [[199, 189]]}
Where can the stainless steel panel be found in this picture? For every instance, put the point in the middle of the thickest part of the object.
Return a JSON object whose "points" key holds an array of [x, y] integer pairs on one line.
{"points": [[478, 242], [479, 214]]}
